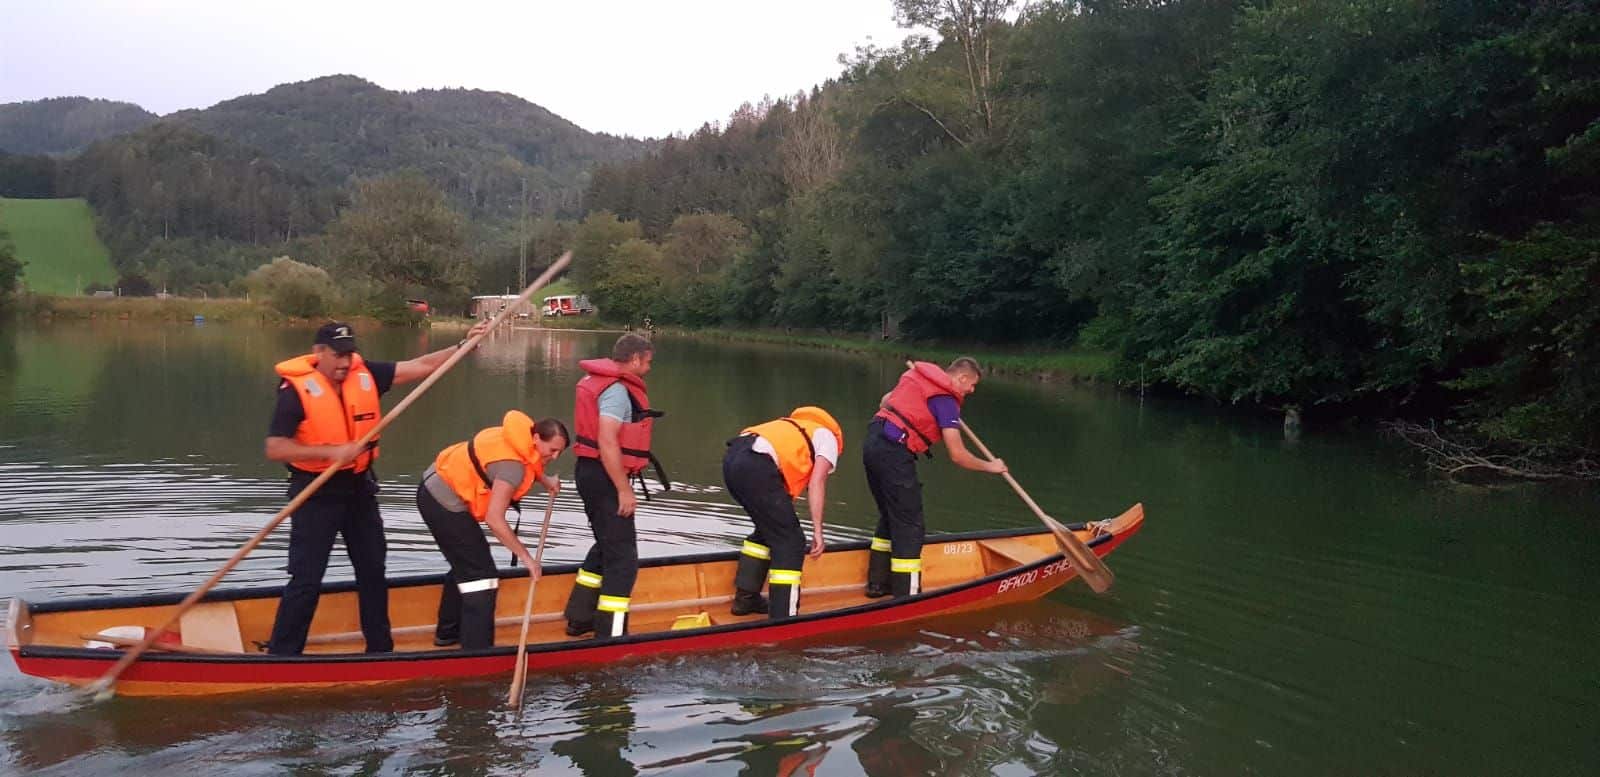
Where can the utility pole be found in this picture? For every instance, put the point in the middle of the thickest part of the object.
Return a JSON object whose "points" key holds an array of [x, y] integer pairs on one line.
{"points": [[522, 241]]}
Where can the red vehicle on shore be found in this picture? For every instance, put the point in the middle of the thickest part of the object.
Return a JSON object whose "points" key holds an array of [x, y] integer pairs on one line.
{"points": [[567, 305]]}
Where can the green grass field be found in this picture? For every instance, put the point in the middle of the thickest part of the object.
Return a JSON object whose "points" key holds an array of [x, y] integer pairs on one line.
{"points": [[559, 287], [57, 240]]}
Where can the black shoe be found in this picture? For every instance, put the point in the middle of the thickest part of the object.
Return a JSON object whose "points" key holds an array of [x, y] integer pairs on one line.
{"points": [[745, 603], [877, 591], [446, 641], [579, 629]]}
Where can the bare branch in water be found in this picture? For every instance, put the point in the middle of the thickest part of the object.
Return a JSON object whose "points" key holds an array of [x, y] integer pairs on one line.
{"points": [[1461, 458]]}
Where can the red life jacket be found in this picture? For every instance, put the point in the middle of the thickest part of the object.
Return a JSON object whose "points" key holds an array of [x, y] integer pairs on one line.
{"points": [[633, 438], [333, 418], [908, 404]]}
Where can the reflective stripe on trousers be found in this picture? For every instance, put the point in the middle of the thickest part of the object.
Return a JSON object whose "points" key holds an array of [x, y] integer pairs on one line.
{"points": [[615, 610], [784, 586], [474, 586], [912, 569]]}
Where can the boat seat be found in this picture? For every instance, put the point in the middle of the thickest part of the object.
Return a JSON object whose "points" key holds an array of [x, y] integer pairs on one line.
{"points": [[212, 626], [1008, 552]]}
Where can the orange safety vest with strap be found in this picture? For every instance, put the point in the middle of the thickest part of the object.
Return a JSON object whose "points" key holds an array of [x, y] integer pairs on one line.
{"points": [[634, 437], [462, 466], [790, 438], [907, 407], [333, 417]]}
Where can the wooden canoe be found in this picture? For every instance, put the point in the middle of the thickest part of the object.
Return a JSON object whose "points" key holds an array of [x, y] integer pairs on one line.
{"points": [[217, 649]]}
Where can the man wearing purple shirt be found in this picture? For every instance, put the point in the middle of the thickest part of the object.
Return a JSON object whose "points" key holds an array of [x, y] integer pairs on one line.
{"points": [[946, 413], [922, 410]]}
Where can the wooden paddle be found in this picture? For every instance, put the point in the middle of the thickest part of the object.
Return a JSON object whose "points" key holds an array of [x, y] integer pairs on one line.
{"points": [[1089, 566], [520, 674], [102, 688]]}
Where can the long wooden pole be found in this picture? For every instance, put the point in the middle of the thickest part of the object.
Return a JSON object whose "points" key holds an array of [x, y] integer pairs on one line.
{"points": [[520, 674], [1090, 567], [103, 687]]}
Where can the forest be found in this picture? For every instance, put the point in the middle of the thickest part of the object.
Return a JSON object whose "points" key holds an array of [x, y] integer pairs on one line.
{"points": [[1352, 207]]}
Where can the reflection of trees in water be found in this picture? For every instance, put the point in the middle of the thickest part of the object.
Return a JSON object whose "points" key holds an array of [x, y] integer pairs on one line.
{"points": [[969, 694], [46, 378], [311, 734], [605, 720], [505, 351], [970, 700]]}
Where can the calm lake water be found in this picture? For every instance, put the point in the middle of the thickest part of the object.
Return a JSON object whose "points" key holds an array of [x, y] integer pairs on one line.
{"points": [[1309, 608]]}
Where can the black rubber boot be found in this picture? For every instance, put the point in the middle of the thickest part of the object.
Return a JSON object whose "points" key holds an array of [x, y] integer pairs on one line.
{"points": [[447, 624], [785, 600], [580, 612], [877, 574], [751, 574], [610, 625], [747, 582], [477, 619], [749, 603], [903, 584]]}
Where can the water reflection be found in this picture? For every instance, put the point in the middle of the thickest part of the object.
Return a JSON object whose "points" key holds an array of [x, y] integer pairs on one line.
{"points": [[602, 721], [962, 695], [1290, 609]]}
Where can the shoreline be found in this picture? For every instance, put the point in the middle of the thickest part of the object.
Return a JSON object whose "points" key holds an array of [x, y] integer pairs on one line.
{"points": [[43, 308], [46, 308], [1070, 365]]}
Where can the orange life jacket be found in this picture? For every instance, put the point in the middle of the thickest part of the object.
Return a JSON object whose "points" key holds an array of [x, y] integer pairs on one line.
{"points": [[463, 466], [333, 417], [633, 438], [790, 437], [908, 404]]}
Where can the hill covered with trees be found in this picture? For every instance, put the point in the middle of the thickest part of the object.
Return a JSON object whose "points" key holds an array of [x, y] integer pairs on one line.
{"points": [[196, 200], [64, 124], [478, 147]]}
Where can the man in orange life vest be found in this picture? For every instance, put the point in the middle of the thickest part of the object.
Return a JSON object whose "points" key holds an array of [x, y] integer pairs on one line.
{"points": [[474, 482], [923, 408], [327, 400], [766, 468], [612, 418]]}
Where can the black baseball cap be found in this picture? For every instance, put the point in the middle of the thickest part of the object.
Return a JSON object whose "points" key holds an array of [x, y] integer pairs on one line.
{"points": [[338, 336]]}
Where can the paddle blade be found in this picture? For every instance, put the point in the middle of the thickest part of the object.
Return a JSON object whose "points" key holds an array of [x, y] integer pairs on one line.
{"points": [[101, 689], [1089, 566], [515, 698]]}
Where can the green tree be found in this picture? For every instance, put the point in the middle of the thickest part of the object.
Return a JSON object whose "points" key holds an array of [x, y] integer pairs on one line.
{"points": [[401, 234], [596, 238], [973, 26], [630, 283], [1544, 296], [292, 287], [702, 244], [10, 265]]}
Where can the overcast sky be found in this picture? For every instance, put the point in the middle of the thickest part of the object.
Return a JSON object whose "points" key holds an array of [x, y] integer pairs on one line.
{"points": [[621, 66]]}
